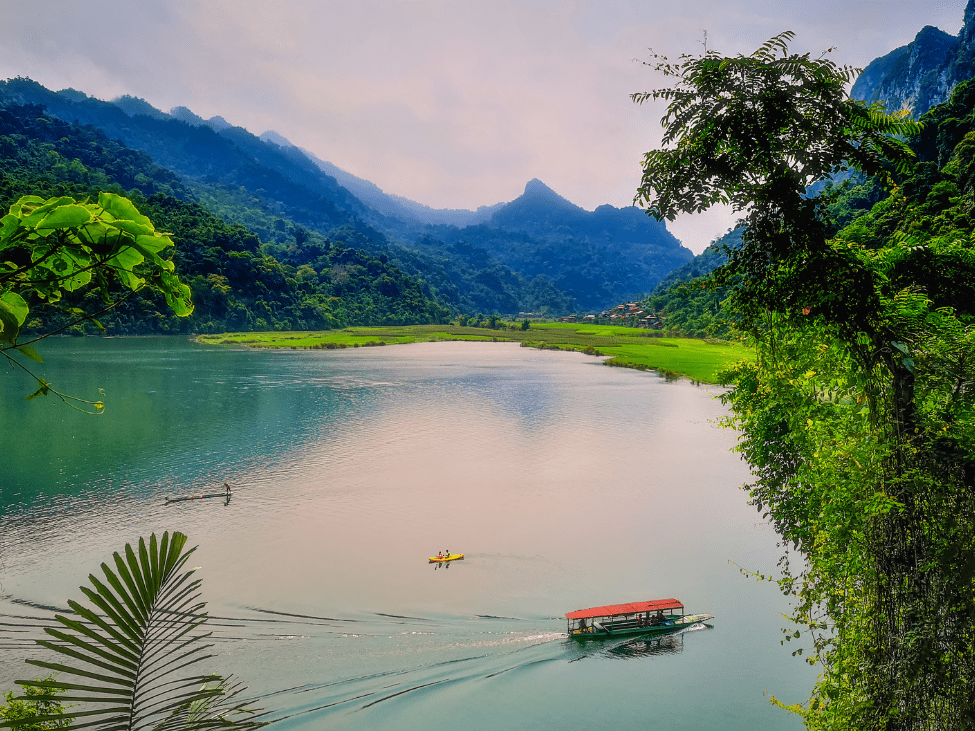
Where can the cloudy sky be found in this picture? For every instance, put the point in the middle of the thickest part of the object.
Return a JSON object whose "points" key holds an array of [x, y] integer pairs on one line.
{"points": [[451, 103]]}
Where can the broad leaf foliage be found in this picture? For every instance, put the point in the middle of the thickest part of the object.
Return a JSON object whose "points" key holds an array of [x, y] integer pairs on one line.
{"points": [[858, 418], [51, 248]]}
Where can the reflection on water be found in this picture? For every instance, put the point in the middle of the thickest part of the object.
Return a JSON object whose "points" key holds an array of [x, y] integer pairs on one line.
{"points": [[669, 644], [564, 483]]}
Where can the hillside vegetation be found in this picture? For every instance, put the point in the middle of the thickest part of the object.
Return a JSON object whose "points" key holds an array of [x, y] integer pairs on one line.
{"points": [[235, 284], [538, 253]]}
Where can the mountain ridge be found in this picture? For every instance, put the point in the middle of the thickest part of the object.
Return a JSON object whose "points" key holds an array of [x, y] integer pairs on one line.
{"points": [[921, 74], [597, 257]]}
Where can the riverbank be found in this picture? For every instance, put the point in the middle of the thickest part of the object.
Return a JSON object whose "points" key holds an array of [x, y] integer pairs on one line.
{"points": [[697, 360]]}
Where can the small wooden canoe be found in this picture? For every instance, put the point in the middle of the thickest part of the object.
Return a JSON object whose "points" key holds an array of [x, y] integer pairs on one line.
{"points": [[195, 497], [181, 498], [445, 559]]}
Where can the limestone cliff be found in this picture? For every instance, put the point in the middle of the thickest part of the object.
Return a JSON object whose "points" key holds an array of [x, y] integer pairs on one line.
{"points": [[921, 74]]}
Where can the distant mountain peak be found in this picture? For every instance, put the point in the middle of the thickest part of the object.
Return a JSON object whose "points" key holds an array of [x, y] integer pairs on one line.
{"points": [[219, 123], [537, 193], [537, 187], [921, 74], [133, 105], [278, 139], [183, 114]]}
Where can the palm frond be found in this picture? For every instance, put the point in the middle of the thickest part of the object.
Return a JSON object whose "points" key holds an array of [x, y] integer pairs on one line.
{"points": [[132, 660]]}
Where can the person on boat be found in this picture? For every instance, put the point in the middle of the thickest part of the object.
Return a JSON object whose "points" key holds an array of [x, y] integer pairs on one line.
{"points": [[440, 555], [446, 554]]}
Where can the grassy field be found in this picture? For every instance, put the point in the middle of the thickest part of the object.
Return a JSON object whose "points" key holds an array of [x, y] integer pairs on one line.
{"points": [[628, 347]]}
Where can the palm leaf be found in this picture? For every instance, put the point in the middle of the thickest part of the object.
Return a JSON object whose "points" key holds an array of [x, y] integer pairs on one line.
{"points": [[132, 660]]}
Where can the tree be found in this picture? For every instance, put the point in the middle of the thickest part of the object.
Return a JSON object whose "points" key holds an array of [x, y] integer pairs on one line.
{"points": [[56, 248], [129, 658], [858, 419], [35, 704]]}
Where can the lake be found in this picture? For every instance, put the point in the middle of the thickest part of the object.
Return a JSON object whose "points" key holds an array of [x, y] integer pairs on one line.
{"points": [[565, 483]]}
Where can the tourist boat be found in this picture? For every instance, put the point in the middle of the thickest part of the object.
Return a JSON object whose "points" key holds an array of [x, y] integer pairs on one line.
{"points": [[445, 559], [636, 618]]}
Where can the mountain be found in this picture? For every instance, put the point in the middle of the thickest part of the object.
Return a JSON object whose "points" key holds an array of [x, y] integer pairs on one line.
{"points": [[539, 252], [394, 206], [235, 284], [279, 196], [600, 257], [921, 74], [231, 157], [398, 207]]}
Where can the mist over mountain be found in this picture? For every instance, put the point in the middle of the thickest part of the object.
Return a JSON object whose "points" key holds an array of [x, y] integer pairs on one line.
{"points": [[393, 206]]}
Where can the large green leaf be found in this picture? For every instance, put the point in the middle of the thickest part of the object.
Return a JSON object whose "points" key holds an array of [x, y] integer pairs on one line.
{"points": [[132, 660], [31, 215], [122, 208], [66, 216], [13, 313], [9, 225]]}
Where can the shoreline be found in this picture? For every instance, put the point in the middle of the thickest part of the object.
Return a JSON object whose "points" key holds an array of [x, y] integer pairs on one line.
{"points": [[697, 360]]}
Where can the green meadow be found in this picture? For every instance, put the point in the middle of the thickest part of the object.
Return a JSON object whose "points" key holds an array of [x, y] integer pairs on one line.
{"points": [[697, 360]]}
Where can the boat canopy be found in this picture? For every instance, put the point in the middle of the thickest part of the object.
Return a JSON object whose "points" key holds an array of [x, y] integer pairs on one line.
{"points": [[633, 608]]}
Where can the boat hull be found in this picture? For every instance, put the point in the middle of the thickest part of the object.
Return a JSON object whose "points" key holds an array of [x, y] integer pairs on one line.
{"points": [[445, 559], [598, 631]]}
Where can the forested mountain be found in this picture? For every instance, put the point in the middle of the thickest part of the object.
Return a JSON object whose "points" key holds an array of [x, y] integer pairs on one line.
{"points": [[532, 254], [235, 284], [921, 74], [686, 301], [604, 256]]}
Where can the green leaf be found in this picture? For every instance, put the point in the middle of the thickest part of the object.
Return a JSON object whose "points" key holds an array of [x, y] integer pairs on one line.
{"points": [[133, 228], [139, 675], [127, 258], [30, 353], [13, 313], [31, 216], [66, 216], [154, 242], [44, 389], [122, 208], [9, 225], [16, 306]]}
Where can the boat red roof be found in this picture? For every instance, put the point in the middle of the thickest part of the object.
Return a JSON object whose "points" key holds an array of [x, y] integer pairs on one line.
{"points": [[631, 608]]}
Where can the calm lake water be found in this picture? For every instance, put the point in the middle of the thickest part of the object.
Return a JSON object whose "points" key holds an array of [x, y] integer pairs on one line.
{"points": [[566, 484]]}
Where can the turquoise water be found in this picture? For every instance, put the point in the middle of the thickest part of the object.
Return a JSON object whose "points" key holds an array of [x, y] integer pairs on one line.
{"points": [[565, 483]]}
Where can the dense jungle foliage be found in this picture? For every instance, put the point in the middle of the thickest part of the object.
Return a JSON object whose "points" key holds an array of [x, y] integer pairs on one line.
{"points": [[688, 301], [858, 417]]}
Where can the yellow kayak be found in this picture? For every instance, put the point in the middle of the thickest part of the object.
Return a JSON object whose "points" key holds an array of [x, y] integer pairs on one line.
{"points": [[444, 559]]}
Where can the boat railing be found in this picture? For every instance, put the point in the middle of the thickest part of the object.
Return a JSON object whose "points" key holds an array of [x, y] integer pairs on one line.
{"points": [[628, 622]]}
